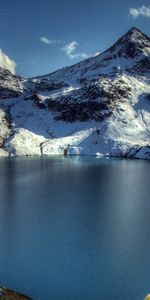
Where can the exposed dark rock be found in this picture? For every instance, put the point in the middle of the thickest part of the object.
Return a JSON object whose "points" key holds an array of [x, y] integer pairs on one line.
{"points": [[1, 142], [37, 101], [141, 67], [6, 93], [147, 96], [95, 92], [11, 86], [7, 294], [44, 85], [91, 101]]}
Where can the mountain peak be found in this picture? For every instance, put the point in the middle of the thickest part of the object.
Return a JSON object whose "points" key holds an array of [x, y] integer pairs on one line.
{"points": [[135, 33], [134, 29], [132, 44]]}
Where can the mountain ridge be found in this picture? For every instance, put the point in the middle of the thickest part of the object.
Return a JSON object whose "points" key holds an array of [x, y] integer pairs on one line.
{"points": [[89, 106], [91, 57]]}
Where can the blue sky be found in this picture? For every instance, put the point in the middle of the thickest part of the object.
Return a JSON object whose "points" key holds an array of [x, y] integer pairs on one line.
{"points": [[44, 35]]}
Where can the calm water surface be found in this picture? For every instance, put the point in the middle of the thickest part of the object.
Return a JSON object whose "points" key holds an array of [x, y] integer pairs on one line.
{"points": [[75, 228]]}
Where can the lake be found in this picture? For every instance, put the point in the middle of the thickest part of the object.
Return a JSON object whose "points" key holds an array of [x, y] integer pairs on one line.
{"points": [[75, 228]]}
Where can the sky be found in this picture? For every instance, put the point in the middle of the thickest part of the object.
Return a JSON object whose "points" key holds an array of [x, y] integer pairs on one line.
{"points": [[41, 36]]}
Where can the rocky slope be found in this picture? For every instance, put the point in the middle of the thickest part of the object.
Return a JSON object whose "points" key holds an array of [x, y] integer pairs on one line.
{"points": [[100, 106], [7, 294]]}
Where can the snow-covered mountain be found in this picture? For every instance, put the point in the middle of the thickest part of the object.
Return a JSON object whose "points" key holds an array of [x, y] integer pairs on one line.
{"points": [[100, 106]]}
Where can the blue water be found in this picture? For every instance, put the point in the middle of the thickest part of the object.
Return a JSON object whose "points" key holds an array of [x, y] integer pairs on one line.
{"points": [[75, 228]]}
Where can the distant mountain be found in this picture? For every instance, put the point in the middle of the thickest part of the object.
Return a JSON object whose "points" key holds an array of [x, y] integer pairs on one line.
{"points": [[100, 106]]}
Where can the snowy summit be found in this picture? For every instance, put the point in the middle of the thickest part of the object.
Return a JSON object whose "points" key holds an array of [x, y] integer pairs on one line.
{"points": [[100, 106]]}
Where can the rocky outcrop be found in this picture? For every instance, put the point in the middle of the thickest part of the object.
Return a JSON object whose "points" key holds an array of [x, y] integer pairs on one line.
{"points": [[7, 294], [11, 86]]}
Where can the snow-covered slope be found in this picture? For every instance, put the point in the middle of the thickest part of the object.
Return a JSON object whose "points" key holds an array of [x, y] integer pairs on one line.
{"points": [[100, 106]]}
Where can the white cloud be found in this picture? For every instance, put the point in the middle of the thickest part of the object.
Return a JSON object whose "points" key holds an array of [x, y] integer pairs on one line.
{"points": [[47, 41], [70, 48], [7, 63], [71, 51], [141, 11]]}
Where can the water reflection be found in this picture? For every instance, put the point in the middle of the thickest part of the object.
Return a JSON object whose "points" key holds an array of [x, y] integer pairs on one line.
{"points": [[75, 228]]}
